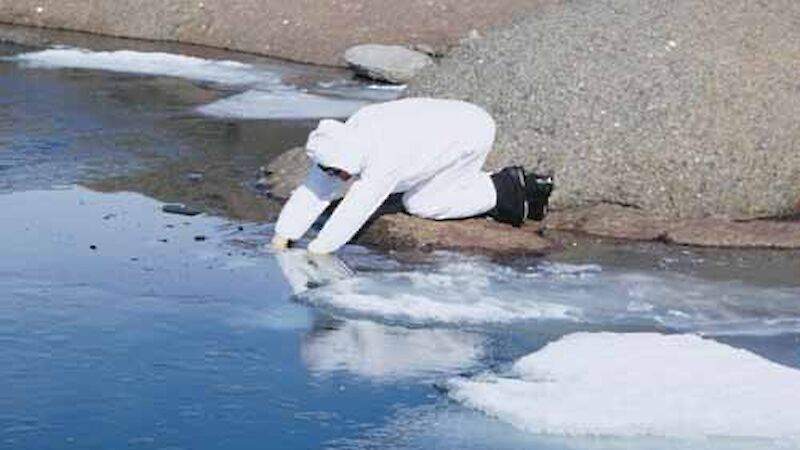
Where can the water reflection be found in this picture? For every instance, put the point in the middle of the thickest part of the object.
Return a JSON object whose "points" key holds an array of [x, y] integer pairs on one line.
{"points": [[386, 353]]}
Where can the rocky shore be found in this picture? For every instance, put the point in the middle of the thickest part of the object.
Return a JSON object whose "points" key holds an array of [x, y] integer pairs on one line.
{"points": [[663, 122], [671, 123]]}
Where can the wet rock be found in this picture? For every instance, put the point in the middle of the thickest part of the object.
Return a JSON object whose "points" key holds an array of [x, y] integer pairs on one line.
{"points": [[286, 172], [200, 238], [180, 208], [93, 247], [390, 63], [682, 109]]}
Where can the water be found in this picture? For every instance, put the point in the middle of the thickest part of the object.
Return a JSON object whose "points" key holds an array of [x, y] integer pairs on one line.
{"points": [[124, 327]]}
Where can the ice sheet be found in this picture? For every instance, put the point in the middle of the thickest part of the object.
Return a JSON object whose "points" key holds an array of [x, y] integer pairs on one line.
{"points": [[641, 384], [266, 97], [460, 293], [151, 63], [284, 104], [478, 292]]}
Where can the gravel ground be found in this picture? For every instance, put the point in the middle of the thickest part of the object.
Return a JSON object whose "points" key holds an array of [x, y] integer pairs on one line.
{"points": [[316, 31], [682, 108]]}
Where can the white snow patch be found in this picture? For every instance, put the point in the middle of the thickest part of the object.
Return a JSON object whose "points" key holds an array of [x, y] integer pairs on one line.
{"points": [[384, 353], [151, 63], [642, 384], [286, 104]]}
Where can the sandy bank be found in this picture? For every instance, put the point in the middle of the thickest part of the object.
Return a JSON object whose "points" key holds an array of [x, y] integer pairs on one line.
{"points": [[305, 30]]}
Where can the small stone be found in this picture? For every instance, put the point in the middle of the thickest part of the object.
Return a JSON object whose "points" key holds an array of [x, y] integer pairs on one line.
{"points": [[180, 208], [199, 238], [194, 176], [262, 183], [93, 247]]}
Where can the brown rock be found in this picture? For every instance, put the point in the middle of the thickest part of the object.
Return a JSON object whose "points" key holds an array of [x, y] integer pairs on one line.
{"points": [[621, 222], [480, 235], [608, 220], [725, 233], [286, 171]]}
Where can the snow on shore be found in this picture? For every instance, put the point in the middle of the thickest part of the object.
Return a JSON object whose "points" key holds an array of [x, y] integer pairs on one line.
{"points": [[641, 384]]}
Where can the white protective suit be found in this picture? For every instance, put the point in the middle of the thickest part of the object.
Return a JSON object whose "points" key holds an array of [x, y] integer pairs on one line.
{"points": [[431, 150]]}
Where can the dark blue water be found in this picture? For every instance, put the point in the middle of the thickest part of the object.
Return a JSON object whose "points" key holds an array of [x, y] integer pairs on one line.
{"points": [[124, 327]]}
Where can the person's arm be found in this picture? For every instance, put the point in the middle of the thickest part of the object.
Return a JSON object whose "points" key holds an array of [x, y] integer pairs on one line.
{"points": [[305, 205], [362, 200]]}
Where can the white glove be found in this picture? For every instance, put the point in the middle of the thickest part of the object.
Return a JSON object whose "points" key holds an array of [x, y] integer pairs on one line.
{"points": [[279, 243]]}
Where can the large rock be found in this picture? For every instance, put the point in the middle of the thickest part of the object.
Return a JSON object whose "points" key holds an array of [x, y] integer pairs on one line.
{"points": [[682, 109], [390, 63]]}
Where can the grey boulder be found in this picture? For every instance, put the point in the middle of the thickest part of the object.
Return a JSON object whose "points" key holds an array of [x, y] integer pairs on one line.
{"points": [[390, 63]]}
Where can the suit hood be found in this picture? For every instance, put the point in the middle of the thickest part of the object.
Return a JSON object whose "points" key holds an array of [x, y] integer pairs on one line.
{"points": [[335, 144]]}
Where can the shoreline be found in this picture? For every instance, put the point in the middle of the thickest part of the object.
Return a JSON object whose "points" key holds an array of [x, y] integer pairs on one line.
{"points": [[304, 31], [603, 220]]}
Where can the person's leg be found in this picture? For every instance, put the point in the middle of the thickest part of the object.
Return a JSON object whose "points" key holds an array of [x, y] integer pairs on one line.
{"points": [[450, 196], [461, 191], [510, 196]]}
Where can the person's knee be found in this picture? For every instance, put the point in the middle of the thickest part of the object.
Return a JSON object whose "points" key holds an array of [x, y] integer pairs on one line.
{"points": [[420, 207]]}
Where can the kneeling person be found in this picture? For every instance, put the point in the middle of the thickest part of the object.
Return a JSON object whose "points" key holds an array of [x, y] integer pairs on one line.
{"points": [[430, 150]]}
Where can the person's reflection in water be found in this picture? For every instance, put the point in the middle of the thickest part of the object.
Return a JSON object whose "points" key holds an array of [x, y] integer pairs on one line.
{"points": [[387, 353], [369, 349]]}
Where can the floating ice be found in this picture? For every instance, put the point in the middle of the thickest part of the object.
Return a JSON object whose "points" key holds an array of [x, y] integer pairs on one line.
{"points": [[268, 96], [476, 293], [386, 353], [641, 384], [285, 104], [347, 88], [461, 294], [151, 63]]}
